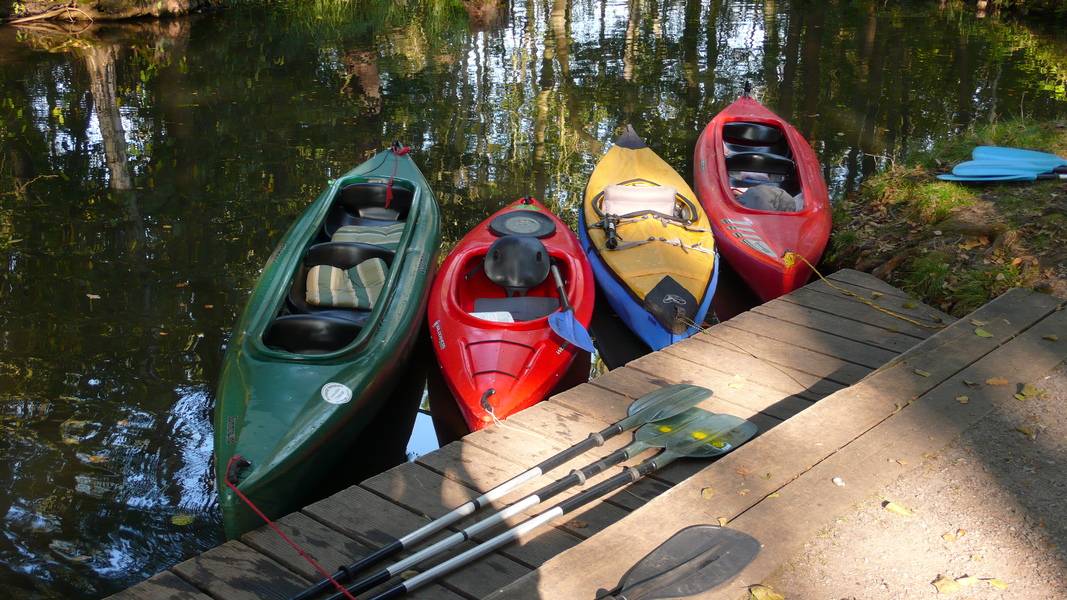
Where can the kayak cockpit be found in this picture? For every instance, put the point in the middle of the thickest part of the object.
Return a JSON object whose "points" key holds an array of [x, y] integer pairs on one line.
{"points": [[344, 270], [760, 167], [508, 282]]}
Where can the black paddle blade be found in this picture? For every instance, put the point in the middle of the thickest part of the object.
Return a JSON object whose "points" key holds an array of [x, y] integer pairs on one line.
{"points": [[692, 561]]}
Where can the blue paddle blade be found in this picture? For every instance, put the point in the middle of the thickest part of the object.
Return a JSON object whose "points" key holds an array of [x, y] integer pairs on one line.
{"points": [[991, 179], [566, 326], [993, 168], [1005, 153]]}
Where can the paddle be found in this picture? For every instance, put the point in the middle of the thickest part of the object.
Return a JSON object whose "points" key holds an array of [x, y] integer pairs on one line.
{"points": [[651, 435], [696, 441], [1004, 176], [694, 560], [1006, 153], [660, 404], [564, 323], [994, 168]]}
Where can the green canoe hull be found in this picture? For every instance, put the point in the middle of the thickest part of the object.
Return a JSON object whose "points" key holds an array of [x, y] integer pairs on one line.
{"points": [[271, 407]]}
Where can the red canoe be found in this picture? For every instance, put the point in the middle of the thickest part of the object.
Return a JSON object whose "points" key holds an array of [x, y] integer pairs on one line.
{"points": [[763, 189], [489, 307]]}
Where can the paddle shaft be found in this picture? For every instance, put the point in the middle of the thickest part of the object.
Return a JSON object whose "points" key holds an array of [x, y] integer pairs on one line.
{"points": [[594, 440], [576, 477], [562, 291], [626, 477]]}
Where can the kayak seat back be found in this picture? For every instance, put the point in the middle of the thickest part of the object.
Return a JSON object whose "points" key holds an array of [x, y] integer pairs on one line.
{"points": [[357, 287], [517, 263], [748, 169], [311, 334], [341, 255], [367, 204], [385, 236], [741, 136], [630, 200], [519, 308]]}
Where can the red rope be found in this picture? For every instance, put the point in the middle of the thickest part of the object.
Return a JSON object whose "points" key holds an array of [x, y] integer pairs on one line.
{"points": [[303, 553], [398, 151]]}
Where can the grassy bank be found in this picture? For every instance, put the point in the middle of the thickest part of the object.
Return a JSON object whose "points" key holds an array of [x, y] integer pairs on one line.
{"points": [[957, 246]]}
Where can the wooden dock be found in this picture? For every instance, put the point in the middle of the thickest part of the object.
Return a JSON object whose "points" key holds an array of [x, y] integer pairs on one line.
{"points": [[878, 381]]}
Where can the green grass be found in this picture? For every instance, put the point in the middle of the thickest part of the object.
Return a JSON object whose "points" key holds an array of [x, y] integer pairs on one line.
{"points": [[924, 200], [1038, 135]]}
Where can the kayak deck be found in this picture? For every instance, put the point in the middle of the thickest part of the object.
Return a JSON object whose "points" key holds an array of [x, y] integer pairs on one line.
{"points": [[796, 350]]}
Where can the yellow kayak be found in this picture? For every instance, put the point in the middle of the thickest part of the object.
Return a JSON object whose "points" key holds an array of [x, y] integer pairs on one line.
{"points": [[649, 242]]}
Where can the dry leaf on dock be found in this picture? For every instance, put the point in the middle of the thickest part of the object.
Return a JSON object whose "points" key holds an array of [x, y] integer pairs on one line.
{"points": [[897, 509], [762, 592]]}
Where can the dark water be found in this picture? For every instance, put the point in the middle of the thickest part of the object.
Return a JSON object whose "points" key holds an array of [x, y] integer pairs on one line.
{"points": [[148, 169]]}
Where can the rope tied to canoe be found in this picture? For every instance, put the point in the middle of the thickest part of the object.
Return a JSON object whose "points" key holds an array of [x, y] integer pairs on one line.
{"points": [[790, 257], [231, 479], [398, 151]]}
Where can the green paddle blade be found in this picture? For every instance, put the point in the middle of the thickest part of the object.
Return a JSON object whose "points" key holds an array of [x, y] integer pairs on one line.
{"points": [[653, 435], [693, 561], [663, 404], [710, 436]]}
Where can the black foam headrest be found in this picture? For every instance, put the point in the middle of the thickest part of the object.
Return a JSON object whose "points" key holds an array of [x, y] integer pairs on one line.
{"points": [[517, 262]]}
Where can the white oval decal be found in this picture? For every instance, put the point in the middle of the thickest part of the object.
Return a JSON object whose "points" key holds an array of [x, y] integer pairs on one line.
{"points": [[336, 393]]}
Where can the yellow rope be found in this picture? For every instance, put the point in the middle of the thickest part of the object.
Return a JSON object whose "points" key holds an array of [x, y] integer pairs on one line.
{"points": [[789, 258]]}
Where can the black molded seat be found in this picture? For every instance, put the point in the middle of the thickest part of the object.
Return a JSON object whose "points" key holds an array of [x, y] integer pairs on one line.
{"points": [[364, 204], [751, 134], [343, 255], [311, 334], [760, 162], [517, 263]]}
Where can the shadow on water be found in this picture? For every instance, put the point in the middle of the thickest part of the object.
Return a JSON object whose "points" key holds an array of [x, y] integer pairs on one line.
{"points": [[147, 169]]}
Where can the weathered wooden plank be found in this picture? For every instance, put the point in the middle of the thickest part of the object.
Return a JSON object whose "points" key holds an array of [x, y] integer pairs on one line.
{"points": [[848, 308], [786, 355], [733, 360], [161, 586], [559, 422], [365, 516], [879, 337], [473, 466], [902, 305], [812, 339], [770, 461], [517, 444], [868, 281], [740, 392], [327, 546], [236, 572], [599, 403], [811, 502]]}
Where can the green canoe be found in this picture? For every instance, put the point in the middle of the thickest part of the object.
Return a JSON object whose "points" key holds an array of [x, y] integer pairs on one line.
{"points": [[306, 372]]}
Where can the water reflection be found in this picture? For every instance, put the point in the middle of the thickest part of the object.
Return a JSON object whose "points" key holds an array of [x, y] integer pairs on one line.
{"points": [[147, 170]]}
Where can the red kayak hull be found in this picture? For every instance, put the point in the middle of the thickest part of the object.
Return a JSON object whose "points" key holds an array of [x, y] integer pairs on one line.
{"points": [[805, 232], [521, 362]]}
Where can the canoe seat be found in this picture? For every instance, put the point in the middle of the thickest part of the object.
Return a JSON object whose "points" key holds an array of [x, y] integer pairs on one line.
{"points": [[741, 136], [340, 255], [748, 169], [357, 287], [517, 263], [387, 236], [364, 204], [311, 334], [629, 200], [520, 308]]}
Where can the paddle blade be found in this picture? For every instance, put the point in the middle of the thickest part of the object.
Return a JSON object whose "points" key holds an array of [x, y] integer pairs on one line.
{"points": [[711, 436], [693, 561], [566, 326], [990, 179], [1006, 153], [990, 168], [663, 404], [656, 434]]}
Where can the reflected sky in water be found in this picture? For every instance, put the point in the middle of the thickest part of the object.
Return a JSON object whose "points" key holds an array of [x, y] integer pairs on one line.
{"points": [[147, 169]]}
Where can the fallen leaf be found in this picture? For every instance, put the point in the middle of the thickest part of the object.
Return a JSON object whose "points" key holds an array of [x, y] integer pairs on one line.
{"points": [[92, 296], [922, 373], [736, 385], [1052, 337], [1020, 396], [1000, 584], [181, 284], [182, 519], [762, 592], [1030, 433], [978, 323], [945, 585], [982, 333], [876, 295], [1031, 391], [996, 381], [707, 493], [774, 495], [909, 304], [96, 458], [209, 306], [948, 537], [967, 580], [897, 509], [963, 399], [743, 492], [970, 383], [723, 521], [766, 476]]}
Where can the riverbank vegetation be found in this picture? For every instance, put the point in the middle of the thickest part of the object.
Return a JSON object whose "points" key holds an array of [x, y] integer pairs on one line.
{"points": [[957, 246]]}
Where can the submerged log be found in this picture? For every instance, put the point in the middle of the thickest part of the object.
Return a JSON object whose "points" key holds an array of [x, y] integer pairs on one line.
{"points": [[30, 11]]}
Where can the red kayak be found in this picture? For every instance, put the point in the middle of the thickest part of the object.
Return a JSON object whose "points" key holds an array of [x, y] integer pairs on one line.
{"points": [[763, 189], [489, 307]]}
